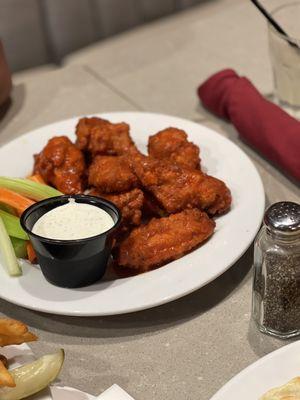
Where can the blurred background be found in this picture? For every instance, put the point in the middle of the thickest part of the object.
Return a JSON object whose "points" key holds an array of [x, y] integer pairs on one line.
{"points": [[37, 32]]}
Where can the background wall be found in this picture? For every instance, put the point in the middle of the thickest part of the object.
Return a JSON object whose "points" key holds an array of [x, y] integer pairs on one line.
{"points": [[36, 32]]}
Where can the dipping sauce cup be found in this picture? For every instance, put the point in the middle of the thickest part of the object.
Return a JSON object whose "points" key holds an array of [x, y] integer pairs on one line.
{"points": [[71, 263]]}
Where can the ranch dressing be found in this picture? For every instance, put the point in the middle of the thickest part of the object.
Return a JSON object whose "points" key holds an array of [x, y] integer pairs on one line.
{"points": [[73, 221]]}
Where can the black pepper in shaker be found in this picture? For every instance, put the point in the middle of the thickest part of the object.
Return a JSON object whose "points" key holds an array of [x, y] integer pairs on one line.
{"points": [[276, 278]]}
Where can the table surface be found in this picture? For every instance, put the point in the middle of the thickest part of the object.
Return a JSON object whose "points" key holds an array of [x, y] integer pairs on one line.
{"points": [[189, 348]]}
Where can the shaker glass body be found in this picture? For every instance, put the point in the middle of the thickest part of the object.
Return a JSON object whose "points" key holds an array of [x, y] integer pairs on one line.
{"points": [[276, 284]]}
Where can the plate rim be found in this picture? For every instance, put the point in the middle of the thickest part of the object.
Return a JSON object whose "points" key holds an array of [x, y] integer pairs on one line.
{"points": [[163, 299], [218, 395]]}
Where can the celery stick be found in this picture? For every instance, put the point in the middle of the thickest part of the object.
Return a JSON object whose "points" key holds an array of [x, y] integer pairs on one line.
{"points": [[19, 246], [25, 187], [13, 226], [8, 254]]}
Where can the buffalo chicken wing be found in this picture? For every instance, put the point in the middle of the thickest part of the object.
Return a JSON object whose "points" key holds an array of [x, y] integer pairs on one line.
{"points": [[129, 203], [172, 144], [177, 188], [62, 165], [111, 174], [98, 136], [164, 239]]}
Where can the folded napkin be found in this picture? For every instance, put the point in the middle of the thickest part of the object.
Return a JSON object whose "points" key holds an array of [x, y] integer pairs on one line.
{"points": [[114, 393], [264, 125], [67, 393]]}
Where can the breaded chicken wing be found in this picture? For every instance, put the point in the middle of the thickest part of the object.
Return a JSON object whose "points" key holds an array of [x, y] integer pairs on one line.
{"points": [[223, 199], [110, 174], [98, 136], [151, 207], [62, 165], [177, 188], [164, 239], [83, 130], [172, 144], [130, 204]]}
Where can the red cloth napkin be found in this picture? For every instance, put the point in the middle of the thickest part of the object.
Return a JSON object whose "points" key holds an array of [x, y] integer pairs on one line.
{"points": [[261, 123]]}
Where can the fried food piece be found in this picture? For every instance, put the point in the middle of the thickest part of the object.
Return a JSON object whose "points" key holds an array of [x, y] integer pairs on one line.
{"points": [[172, 144], [25, 338], [83, 130], [164, 239], [14, 332], [111, 174], [11, 332], [129, 203], [62, 165], [177, 188], [12, 327], [4, 361], [151, 207], [98, 136], [223, 199], [289, 391], [6, 380], [113, 139]]}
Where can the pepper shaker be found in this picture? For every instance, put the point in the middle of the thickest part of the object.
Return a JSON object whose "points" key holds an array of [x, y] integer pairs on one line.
{"points": [[276, 278]]}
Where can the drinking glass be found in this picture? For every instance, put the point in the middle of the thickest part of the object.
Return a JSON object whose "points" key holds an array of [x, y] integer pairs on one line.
{"points": [[285, 58]]}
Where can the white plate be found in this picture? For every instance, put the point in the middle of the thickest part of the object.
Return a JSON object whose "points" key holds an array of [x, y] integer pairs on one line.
{"points": [[273, 370], [19, 355], [234, 231]]}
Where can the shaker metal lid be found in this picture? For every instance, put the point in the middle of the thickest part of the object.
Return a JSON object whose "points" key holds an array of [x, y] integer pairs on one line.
{"points": [[283, 216]]}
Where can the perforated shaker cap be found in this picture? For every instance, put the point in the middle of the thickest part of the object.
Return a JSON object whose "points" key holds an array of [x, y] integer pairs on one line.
{"points": [[283, 216]]}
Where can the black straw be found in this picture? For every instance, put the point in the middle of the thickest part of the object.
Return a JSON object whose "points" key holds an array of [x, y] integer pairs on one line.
{"points": [[273, 22]]}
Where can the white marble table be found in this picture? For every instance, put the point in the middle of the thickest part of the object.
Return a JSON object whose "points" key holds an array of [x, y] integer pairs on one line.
{"points": [[189, 348]]}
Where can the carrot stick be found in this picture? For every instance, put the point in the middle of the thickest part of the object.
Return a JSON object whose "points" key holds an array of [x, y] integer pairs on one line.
{"points": [[30, 252], [37, 178], [15, 200]]}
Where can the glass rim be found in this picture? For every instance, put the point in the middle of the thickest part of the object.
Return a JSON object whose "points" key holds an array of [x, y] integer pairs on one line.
{"points": [[279, 8]]}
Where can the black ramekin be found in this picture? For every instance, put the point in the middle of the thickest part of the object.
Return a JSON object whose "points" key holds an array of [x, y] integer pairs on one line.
{"points": [[71, 263]]}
